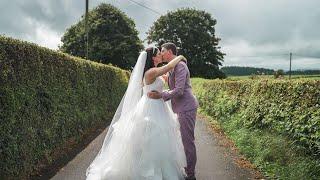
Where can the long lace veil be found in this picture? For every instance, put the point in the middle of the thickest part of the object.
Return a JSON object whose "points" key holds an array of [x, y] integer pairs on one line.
{"points": [[129, 100]]}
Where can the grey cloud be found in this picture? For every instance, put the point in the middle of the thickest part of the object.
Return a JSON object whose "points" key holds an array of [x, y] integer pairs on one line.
{"points": [[57, 14], [263, 27]]}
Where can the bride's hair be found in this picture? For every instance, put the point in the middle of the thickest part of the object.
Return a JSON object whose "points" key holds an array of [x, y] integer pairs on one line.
{"points": [[151, 52]]}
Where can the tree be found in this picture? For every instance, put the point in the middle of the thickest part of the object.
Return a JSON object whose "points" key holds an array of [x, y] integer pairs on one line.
{"points": [[193, 32], [112, 37]]}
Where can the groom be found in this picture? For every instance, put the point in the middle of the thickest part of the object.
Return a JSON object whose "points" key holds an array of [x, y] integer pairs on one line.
{"points": [[184, 104]]}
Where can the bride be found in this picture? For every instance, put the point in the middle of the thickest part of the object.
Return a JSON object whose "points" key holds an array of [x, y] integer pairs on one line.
{"points": [[143, 140]]}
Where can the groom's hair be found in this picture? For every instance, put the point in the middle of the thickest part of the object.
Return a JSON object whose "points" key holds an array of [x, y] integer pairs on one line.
{"points": [[170, 46]]}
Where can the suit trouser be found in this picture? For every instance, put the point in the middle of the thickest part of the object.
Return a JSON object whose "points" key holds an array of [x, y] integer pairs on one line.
{"points": [[187, 121]]}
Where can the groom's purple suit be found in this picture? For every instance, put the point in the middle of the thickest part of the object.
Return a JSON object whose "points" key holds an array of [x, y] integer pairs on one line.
{"points": [[185, 105]]}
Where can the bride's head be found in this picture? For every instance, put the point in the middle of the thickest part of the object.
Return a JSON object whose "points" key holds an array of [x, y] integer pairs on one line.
{"points": [[153, 58]]}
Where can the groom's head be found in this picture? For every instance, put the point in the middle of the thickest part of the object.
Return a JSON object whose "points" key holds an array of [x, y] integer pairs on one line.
{"points": [[168, 51]]}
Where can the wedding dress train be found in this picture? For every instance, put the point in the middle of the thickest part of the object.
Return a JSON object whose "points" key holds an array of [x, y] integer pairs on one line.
{"points": [[145, 144]]}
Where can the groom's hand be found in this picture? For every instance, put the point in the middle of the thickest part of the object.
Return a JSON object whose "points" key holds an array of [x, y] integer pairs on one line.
{"points": [[154, 95]]}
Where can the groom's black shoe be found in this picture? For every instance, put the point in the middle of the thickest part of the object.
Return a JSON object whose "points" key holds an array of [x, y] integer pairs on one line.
{"points": [[190, 178]]}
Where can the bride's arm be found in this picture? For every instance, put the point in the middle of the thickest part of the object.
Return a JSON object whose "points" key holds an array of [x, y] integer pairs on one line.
{"points": [[168, 67], [156, 72]]}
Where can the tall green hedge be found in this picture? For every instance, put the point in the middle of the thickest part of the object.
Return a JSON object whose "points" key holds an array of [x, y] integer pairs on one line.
{"points": [[290, 108], [48, 99]]}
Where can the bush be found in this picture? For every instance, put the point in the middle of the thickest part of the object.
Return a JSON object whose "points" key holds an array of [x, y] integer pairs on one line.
{"points": [[274, 123], [47, 100], [290, 108]]}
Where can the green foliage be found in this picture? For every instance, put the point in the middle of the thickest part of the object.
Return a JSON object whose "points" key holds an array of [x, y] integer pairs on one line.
{"points": [[245, 71], [260, 77], [194, 32], [274, 154], [47, 100], [112, 37], [305, 72], [278, 74], [276, 123]]}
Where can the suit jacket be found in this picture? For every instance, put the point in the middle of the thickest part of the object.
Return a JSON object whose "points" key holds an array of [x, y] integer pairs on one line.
{"points": [[180, 91]]}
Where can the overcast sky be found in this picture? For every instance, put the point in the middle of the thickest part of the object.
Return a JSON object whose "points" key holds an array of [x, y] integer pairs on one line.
{"points": [[259, 33]]}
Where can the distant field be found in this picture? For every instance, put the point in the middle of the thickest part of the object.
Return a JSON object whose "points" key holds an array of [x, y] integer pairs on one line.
{"points": [[317, 77]]}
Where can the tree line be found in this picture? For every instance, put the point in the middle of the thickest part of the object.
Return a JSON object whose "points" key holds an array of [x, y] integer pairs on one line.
{"points": [[246, 71]]}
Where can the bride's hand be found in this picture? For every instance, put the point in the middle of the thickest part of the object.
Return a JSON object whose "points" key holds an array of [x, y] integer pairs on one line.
{"points": [[165, 77]]}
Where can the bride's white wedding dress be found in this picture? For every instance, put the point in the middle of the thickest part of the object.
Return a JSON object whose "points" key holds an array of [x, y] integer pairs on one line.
{"points": [[148, 146]]}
